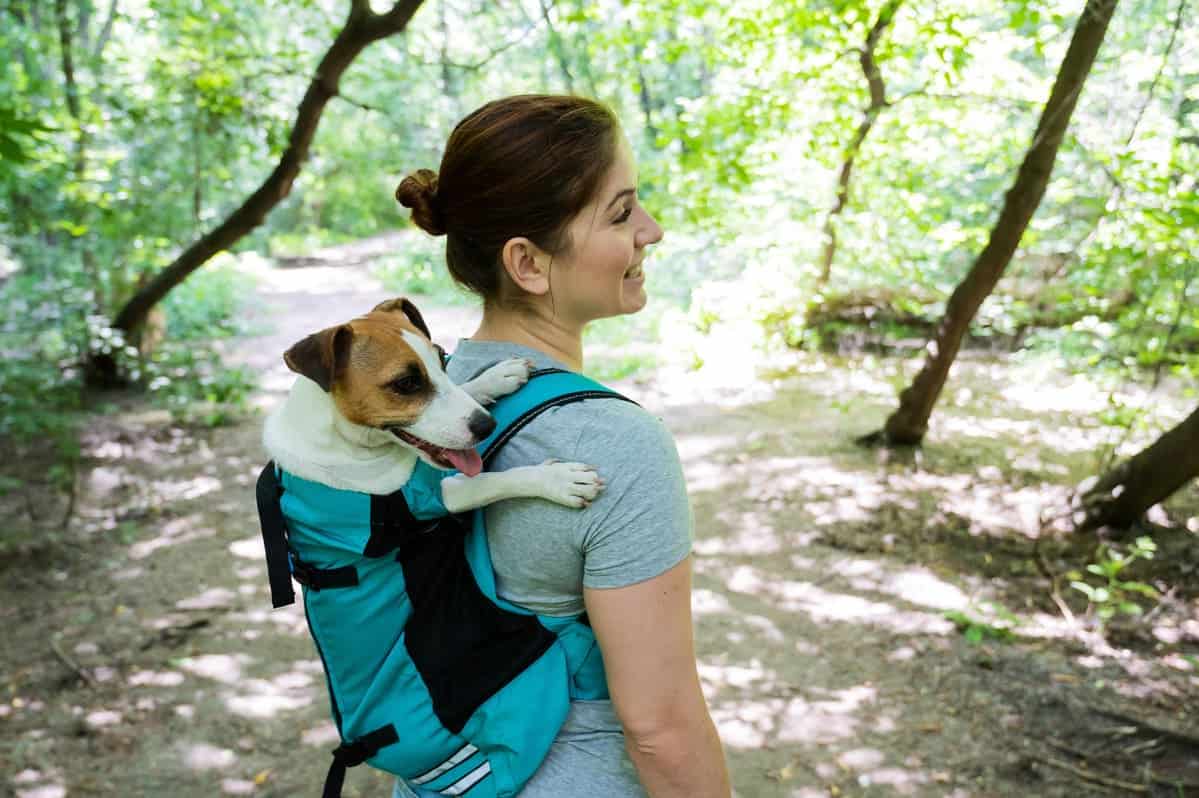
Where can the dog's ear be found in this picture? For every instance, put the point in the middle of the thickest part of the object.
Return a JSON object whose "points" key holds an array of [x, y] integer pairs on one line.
{"points": [[404, 305], [320, 356]]}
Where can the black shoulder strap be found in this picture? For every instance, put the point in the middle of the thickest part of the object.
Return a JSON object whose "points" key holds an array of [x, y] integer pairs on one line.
{"points": [[521, 421], [274, 537]]}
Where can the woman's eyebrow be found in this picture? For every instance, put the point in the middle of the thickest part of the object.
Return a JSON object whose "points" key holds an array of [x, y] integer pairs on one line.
{"points": [[621, 194]]}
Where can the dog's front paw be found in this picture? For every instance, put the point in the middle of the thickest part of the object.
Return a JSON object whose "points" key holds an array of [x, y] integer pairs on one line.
{"points": [[569, 484], [501, 379]]}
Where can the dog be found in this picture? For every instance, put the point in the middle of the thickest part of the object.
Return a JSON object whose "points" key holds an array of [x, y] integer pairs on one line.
{"points": [[372, 399]]}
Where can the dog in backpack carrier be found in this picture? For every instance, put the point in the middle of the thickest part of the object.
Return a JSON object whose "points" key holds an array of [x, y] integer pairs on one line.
{"points": [[431, 676]]}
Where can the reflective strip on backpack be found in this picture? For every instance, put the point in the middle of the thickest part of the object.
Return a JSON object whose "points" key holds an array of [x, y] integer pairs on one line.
{"points": [[461, 756], [469, 780]]}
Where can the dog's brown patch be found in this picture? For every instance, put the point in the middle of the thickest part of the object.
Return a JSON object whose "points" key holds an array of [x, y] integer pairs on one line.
{"points": [[374, 376]]}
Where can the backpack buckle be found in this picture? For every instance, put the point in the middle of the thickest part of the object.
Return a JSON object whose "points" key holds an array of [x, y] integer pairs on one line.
{"points": [[305, 574]]}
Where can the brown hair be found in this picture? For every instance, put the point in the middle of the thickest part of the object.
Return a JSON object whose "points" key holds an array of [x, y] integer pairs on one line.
{"points": [[519, 166]]}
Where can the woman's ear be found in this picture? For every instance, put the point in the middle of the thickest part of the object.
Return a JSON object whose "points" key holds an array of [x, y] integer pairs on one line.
{"points": [[527, 265]]}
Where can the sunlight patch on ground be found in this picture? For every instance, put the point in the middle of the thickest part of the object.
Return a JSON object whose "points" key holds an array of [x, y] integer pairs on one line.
{"points": [[743, 533], [181, 490], [103, 717], [32, 783], [269, 698], [173, 532], [824, 606], [917, 586], [203, 756], [709, 602], [249, 548], [212, 598], [155, 679], [711, 475], [951, 429], [747, 724], [321, 735], [826, 377], [288, 619], [237, 787], [1045, 391], [996, 508], [225, 668]]}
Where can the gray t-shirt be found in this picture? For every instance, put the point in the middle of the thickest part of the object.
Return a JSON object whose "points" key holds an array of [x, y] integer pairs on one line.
{"points": [[545, 554]]}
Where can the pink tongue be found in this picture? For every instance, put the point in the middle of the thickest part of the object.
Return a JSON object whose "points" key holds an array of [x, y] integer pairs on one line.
{"points": [[465, 460]]}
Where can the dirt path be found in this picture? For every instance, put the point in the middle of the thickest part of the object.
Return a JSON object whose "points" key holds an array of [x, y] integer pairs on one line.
{"points": [[142, 658]]}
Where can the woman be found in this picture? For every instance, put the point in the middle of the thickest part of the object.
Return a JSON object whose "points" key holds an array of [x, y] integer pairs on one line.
{"points": [[537, 197]]}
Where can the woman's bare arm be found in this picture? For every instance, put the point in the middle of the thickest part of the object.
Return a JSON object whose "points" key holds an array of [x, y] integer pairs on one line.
{"points": [[644, 632]]}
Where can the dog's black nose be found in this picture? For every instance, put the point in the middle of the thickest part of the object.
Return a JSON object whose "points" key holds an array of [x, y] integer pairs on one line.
{"points": [[481, 425]]}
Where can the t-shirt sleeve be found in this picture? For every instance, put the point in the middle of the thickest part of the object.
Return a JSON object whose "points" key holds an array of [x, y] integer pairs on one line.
{"points": [[641, 525]]}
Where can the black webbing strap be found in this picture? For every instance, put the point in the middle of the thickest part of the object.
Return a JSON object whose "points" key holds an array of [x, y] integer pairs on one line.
{"points": [[281, 565], [274, 537], [323, 578], [348, 755], [524, 418]]}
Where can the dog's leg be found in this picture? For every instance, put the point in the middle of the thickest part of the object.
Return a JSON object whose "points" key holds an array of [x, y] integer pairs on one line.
{"points": [[500, 380], [569, 484]]}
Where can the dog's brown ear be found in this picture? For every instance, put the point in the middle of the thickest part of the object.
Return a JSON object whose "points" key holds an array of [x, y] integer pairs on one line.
{"points": [[321, 355], [403, 305]]}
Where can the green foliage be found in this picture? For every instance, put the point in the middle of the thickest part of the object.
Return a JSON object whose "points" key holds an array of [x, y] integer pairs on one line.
{"points": [[741, 116], [418, 269], [197, 387], [993, 622], [1114, 593], [208, 305]]}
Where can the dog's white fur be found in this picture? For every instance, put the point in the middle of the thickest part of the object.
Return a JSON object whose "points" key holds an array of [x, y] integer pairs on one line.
{"points": [[309, 437]]}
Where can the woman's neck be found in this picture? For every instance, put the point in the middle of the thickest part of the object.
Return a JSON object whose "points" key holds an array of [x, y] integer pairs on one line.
{"points": [[560, 342]]}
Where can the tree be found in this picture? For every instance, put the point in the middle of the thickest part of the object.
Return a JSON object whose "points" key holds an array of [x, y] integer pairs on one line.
{"points": [[1121, 496], [908, 424], [878, 101], [363, 27]]}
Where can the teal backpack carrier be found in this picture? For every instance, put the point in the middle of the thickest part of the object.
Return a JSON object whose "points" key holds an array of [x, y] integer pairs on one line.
{"points": [[431, 676]]}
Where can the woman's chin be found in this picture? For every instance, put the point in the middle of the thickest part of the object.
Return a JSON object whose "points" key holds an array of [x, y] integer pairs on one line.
{"points": [[635, 297]]}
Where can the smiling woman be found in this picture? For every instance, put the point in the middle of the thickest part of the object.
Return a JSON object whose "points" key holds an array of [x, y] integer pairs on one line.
{"points": [[537, 196]]}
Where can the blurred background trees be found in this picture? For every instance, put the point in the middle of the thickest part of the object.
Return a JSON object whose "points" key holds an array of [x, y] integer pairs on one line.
{"points": [[827, 172]]}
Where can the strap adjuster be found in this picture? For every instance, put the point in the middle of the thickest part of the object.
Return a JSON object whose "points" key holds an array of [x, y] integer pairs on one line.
{"points": [[351, 754], [319, 579]]}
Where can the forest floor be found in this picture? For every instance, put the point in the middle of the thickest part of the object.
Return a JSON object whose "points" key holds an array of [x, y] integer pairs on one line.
{"points": [[866, 624]]}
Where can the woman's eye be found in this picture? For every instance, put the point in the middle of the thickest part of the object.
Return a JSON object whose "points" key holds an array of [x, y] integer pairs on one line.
{"points": [[407, 385], [624, 217]]}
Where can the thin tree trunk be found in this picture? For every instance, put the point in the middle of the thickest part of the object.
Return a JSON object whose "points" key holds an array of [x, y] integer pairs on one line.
{"points": [[908, 424], [556, 45], [70, 85], [363, 27], [1125, 493], [443, 26], [878, 101]]}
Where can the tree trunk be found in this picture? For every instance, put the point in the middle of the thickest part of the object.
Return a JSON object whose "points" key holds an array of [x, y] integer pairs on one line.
{"points": [[1122, 496], [908, 424], [878, 101], [363, 27], [559, 50]]}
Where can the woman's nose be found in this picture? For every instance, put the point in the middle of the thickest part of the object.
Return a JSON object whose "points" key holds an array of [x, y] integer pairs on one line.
{"points": [[650, 232]]}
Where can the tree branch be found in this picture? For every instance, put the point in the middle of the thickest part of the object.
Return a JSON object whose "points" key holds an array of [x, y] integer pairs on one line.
{"points": [[105, 32], [359, 32], [556, 45], [878, 101]]}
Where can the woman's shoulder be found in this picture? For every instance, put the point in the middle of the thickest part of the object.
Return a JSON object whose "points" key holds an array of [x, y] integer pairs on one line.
{"points": [[611, 423]]}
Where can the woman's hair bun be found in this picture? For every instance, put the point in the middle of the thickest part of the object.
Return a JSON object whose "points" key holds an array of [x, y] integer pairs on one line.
{"points": [[418, 191]]}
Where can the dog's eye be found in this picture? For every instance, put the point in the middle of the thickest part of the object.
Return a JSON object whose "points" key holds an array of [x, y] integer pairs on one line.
{"points": [[408, 384]]}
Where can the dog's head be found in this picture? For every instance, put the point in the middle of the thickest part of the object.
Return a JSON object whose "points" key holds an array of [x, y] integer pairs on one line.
{"points": [[383, 371]]}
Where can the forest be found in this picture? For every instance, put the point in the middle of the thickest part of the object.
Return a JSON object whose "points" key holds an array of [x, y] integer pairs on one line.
{"points": [[924, 323]]}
